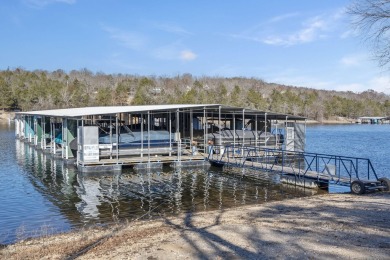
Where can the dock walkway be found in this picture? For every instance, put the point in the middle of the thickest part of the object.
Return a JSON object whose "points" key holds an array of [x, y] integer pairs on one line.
{"points": [[302, 167]]}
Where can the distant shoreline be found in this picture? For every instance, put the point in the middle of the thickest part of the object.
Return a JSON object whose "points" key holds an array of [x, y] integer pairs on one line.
{"points": [[331, 122], [6, 116]]}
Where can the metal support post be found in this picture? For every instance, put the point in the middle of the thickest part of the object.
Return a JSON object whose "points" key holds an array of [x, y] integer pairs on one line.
{"points": [[178, 136], [117, 138], [148, 138]]}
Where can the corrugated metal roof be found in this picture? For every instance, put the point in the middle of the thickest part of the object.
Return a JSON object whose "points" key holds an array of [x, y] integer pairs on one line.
{"points": [[112, 110]]}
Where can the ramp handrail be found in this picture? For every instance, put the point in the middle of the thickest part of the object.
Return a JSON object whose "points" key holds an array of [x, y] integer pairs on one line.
{"points": [[335, 167]]}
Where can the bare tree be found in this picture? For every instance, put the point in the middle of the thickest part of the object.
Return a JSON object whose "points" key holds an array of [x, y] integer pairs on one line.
{"points": [[372, 19]]}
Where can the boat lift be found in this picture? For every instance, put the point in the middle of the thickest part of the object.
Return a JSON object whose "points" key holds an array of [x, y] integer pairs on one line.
{"points": [[302, 168]]}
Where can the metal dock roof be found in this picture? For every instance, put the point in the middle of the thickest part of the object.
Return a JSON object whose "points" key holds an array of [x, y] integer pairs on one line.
{"points": [[111, 110]]}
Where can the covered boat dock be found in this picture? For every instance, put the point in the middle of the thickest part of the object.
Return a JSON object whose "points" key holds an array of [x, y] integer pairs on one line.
{"points": [[107, 138], [374, 120]]}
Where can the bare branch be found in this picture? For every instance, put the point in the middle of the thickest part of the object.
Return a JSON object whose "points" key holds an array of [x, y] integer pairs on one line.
{"points": [[372, 19]]}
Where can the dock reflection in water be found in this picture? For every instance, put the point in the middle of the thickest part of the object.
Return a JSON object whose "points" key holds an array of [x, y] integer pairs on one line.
{"points": [[77, 199], [106, 198]]}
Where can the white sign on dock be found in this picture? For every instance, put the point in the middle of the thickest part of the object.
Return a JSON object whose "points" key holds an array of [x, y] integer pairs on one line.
{"points": [[91, 153], [89, 143]]}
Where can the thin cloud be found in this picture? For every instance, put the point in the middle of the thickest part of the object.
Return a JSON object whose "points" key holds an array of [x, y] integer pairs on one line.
{"points": [[43, 3], [174, 51], [353, 60], [380, 84], [273, 31], [170, 28], [349, 33], [311, 31], [165, 53], [282, 17], [127, 39], [254, 30], [188, 55]]}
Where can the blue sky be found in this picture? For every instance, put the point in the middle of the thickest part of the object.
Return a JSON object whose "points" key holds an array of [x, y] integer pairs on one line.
{"points": [[302, 43]]}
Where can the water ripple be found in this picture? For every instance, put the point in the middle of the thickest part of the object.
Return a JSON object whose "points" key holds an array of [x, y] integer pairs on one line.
{"points": [[37, 191]]}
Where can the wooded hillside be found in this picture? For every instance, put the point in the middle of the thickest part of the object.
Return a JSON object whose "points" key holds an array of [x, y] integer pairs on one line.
{"points": [[36, 90]]}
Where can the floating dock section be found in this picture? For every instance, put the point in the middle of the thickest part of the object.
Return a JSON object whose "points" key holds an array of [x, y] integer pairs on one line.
{"points": [[109, 138]]}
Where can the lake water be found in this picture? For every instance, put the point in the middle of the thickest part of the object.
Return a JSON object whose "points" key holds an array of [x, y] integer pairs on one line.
{"points": [[41, 196], [363, 141]]}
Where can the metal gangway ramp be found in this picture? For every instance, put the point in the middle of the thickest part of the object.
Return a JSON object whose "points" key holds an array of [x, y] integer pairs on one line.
{"points": [[324, 169]]}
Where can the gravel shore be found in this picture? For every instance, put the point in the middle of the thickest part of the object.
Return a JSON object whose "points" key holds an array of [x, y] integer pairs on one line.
{"points": [[331, 226]]}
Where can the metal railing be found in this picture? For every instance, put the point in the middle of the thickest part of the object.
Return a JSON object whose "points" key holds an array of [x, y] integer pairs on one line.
{"points": [[340, 169]]}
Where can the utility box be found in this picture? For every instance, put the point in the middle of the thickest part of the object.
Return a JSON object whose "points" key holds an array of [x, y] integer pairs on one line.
{"points": [[88, 143]]}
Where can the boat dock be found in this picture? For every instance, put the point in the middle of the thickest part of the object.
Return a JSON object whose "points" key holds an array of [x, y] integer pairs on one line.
{"points": [[373, 120], [100, 139], [107, 138]]}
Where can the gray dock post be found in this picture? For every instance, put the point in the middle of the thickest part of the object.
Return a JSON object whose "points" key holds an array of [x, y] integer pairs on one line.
{"points": [[219, 124], [256, 131], [170, 133], [142, 135], [178, 136], [191, 128], [265, 130], [149, 138], [234, 129], [204, 129], [243, 127], [117, 138]]}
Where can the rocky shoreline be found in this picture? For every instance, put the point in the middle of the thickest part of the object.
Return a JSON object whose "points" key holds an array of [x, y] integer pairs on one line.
{"points": [[331, 226]]}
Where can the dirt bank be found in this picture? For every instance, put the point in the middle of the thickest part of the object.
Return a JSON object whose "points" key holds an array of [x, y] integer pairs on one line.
{"points": [[327, 226]]}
